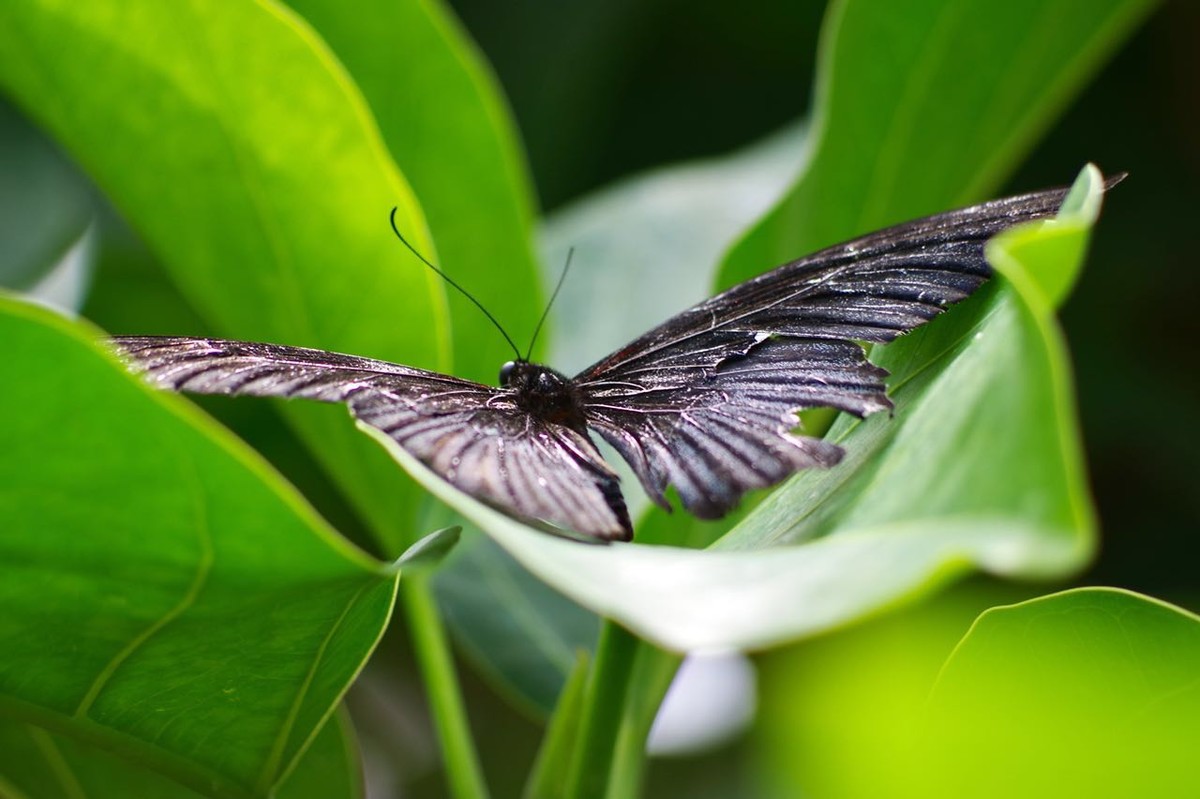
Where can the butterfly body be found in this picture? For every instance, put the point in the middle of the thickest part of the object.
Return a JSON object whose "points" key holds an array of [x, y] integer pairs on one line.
{"points": [[545, 393], [706, 402]]}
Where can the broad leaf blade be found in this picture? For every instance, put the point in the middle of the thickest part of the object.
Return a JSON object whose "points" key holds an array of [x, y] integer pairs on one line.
{"points": [[519, 632], [668, 227], [842, 707], [988, 431], [44, 203], [1004, 494], [42, 765], [443, 118], [164, 593], [926, 106], [187, 116], [1091, 692], [330, 767]]}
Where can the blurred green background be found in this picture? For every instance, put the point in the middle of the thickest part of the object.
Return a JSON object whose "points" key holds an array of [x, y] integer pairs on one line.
{"points": [[603, 89]]}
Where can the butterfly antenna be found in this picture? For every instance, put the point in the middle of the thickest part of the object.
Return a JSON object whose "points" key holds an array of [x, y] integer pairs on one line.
{"points": [[448, 279], [550, 304]]}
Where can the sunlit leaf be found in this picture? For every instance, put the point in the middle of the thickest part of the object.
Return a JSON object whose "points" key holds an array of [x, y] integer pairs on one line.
{"points": [[980, 466], [667, 227], [443, 118], [1091, 692], [185, 116]]}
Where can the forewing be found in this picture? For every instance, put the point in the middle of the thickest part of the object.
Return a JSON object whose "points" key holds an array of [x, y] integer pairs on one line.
{"points": [[707, 401], [473, 436], [500, 454], [243, 368]]}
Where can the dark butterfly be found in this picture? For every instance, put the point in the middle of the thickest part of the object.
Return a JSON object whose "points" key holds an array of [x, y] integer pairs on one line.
{"points": [[705, 402]]}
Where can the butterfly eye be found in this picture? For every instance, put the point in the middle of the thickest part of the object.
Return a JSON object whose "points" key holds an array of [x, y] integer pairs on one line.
{"points": [[506, 372]]}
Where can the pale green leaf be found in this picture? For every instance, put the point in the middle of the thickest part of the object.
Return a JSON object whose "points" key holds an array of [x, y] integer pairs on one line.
{"points": [[980, 466], [1091, 692]]}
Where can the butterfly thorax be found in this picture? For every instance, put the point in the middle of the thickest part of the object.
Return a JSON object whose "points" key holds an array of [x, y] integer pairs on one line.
{"points": [[543, 392]]}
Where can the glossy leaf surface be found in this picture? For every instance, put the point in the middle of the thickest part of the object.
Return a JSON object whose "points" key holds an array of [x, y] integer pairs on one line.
{"points": [[972, 470], [1090, 692], [164, 593]]}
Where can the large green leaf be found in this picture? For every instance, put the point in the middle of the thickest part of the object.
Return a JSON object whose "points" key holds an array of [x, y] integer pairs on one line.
{"points": [[659, 232], [237, 146], [1086, 693], [842, 707], [1091, 692], [988, 439], [520, 633], [329, 768], [39, 764], [662, 233], [441, 116], [928, 105], [43, 202], [667, 227], [980, 466], [162, 592]]}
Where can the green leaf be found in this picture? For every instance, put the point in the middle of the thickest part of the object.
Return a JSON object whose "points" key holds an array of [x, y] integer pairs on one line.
{"points": [[42, 765], [841, 710], [44, 203], [1045, 259], [163, 593], [863, 96], [429, 551], [662, 232], [928, 105], [186, 116], [443, 119], [1090, 692], [550, 771], [980, 466], [519, 633], [330, 767], [1003, 403], [131, 290], [677, 220]]}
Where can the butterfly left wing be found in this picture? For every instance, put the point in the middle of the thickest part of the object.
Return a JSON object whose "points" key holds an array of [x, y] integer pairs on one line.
{"points": [[473, 436], [707, 401]]}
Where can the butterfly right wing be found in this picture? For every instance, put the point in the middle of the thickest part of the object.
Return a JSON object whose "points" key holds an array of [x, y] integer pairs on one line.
{"points": [[707, 401], [471, 435]]}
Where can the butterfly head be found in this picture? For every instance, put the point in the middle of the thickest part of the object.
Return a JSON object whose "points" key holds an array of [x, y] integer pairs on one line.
{"points": [[524, 376], [542, 391]]}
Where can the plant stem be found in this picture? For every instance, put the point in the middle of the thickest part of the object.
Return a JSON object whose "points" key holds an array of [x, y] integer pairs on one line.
{"points": [[604, 704], [652, 676], [552, 768], [437, 670]]}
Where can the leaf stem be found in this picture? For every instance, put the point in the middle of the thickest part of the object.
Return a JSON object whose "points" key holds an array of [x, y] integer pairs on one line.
{"points": [[551, 770], [652, 676], [604, 705], [437, 670]]}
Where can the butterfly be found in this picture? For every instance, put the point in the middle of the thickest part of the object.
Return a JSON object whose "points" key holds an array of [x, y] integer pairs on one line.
{"points": [[706, 402]]}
